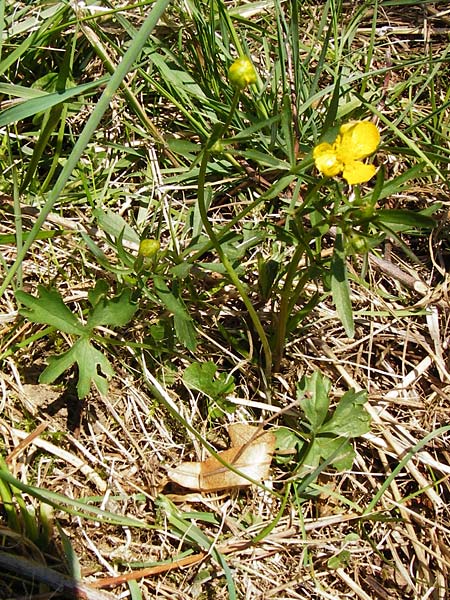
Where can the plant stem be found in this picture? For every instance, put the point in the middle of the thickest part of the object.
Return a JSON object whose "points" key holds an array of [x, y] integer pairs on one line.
{"points": [[223, 257], [285, 307]]}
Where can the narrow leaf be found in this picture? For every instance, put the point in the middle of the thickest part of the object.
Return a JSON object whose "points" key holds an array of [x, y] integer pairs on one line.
{"points": [[405, 217], [36, 105], [184, 326], [71, 506], [115, 225], [185, 332], [340, 287]]}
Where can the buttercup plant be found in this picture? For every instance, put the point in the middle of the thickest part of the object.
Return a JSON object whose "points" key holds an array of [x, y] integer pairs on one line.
{"points": [[203, 298], [240, 75], [355, 225]]}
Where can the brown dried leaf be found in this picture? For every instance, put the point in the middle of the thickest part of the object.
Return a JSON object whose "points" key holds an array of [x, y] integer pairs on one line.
{"points": [[250, 452]]}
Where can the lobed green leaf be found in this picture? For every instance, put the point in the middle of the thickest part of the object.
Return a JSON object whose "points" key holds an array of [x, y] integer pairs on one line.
{"points": [[49, 308]]}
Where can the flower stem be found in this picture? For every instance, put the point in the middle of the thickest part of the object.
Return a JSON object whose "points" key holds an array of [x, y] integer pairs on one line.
{"points": [[286, 306], [223, 257]]}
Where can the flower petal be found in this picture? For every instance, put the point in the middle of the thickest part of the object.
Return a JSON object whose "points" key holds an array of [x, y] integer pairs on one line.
{"points": [[358, 172], [326, 159], [357, 140]]}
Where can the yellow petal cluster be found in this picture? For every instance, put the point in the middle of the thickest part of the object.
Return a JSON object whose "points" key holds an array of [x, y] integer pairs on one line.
{"points": [[356, 140]]}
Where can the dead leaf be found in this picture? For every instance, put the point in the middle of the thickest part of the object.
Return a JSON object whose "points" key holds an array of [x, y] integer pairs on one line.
{"points": [[250, 453]]}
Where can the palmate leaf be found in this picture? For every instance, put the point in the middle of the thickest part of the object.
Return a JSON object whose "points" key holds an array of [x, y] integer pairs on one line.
{"points": [[49, 308], [330, 429], [202, 377], [313, 396], [350, 418], [336, 450], [93, 367], [113, 312]]}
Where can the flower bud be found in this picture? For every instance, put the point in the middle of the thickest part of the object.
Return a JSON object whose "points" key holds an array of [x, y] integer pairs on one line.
{"points": [[148, 248], [242, 73]]}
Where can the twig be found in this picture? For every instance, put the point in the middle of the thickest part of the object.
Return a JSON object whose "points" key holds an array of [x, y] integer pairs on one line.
{"points": [[155, 570], [387, 267]]}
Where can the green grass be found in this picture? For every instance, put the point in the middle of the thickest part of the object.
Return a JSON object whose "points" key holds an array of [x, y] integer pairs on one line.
{"points": [[259, 302]]}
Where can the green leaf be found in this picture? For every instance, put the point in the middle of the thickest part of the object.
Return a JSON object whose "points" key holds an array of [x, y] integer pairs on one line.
{"points": [[349, 418], [20, 91], [288, 443], [409, 218], [184, 326], [58, 364], [281, 183], [135, 590], [115, 225], [113, 312], [312, 393], [70, 555], [399, 183], [334, 450], [202, 377], [185, 332], [99, 292], [188, 531], [36, 105], [267, 273], [334, 104], [93, 367], [79, 508], [49, 308], [340, 288], [340, 560]]}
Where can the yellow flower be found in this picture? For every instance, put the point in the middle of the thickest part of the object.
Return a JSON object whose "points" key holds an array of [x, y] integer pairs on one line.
{"points": [[242, 73], [356, 140]]}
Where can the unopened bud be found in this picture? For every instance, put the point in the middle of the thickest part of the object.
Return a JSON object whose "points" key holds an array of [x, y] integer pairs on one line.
{"points": [[242, 73], [148, 248]]}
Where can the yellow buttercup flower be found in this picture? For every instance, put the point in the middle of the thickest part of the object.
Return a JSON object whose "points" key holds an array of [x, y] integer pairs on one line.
{"points": [[356, 140]]}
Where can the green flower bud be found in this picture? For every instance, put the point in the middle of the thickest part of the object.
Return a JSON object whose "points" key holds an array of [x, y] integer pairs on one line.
{"points": [[148, 248], [242, 73], [357, 244]]}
